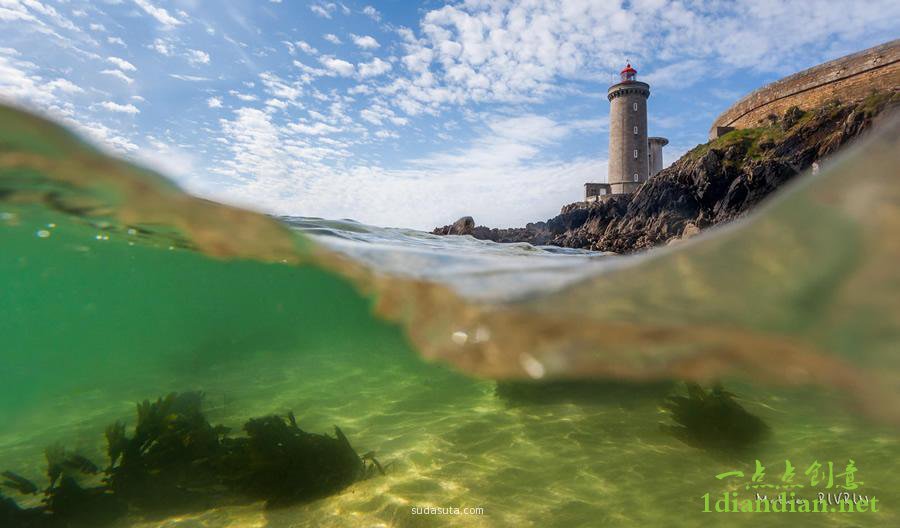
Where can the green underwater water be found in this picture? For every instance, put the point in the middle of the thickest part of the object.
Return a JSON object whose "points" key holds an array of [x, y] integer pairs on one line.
{"points": [[96, 318], [91, 326]]}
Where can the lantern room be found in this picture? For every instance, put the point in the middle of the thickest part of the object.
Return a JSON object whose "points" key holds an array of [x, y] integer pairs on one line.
{"points": [[628, 74]]}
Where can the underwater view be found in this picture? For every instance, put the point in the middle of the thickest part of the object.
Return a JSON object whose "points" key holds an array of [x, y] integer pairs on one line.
{"points": [[304, 372]]}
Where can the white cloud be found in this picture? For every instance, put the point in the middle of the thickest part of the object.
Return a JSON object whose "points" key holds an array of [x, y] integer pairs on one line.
{"points": [[309, 72], [103, 135], [676, 75], [163, 47], [118, 74], [501, 178], [120, 108], [315, 129], [302, 45], [190, 78], [26, 9], [278, 87], [161, 15], [331, 37], [97, 27], [276, 103], [197, 57], [374, 68], [521, 51], [306, 48], [365, 41], [64, 86], [378, 113], [372, 13], [115, 40], [214, 102], [384, 134], [242, 96], [122, 64], [338, 66], [323, 9], [20, 84], [168, 159]]}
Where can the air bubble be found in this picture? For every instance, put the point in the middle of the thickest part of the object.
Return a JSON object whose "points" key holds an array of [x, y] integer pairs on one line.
{"points": [[459, 337], [533, 367]]}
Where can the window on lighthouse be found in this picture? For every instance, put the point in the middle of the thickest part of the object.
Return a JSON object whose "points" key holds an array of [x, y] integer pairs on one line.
{"points": [[635, 153], [634, 105], [635, 177], [635, 130]]}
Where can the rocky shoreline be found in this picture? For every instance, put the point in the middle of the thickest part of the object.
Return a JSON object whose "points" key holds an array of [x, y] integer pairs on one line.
{"points": [[713, 183]]}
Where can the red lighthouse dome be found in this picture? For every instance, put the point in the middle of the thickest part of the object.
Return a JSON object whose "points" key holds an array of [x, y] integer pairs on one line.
{"points": [[628, 73]]}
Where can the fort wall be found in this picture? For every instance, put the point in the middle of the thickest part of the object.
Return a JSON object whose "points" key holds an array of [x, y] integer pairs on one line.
{"points": [[847, 79]]}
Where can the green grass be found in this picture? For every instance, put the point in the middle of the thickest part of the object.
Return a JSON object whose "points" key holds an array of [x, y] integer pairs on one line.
{"points": [[877, 101], [750, 139], [747, 139]]}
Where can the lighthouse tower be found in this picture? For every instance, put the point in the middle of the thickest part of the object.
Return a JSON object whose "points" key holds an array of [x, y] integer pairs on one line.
{"points": [[629, 160]]}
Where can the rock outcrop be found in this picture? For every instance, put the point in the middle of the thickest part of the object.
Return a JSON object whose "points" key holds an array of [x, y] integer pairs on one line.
{"points": [[714, 183], [463, 226]]}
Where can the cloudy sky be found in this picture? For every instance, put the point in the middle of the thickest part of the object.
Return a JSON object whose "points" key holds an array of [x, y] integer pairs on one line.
{"points": [[401, 113]]}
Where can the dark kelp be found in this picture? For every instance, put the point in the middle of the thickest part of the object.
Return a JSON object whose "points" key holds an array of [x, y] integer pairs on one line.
{"points": [[175, 460], [713, 420], [19, 483]]}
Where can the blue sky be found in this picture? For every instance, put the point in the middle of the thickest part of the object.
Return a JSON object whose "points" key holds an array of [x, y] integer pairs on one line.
{"points": [[401, 113]]}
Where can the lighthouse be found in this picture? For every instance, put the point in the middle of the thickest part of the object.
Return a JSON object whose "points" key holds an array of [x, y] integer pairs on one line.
{"points": [[629, 160], [633, 157]]}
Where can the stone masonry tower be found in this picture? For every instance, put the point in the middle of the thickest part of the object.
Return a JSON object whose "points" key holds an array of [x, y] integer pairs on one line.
{"points": [[629, 161], [656, 157]]}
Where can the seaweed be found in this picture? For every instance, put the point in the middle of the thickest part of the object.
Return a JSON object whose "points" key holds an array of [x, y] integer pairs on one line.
{"points": [[19, 483], [71, 505], [11, 515], [713, 420], [286, 464], [60, 463], [176, 461]]}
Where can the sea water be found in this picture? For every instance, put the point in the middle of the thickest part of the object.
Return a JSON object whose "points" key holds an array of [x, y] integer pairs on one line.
{"points": [[117, 287]]}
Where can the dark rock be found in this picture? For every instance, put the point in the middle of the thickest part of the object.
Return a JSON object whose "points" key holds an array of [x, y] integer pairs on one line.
{"points": [[463, 226], [791, 117]]}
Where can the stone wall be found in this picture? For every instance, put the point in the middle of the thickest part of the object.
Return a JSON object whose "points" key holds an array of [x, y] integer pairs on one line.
{"points": [[847, 79]]}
